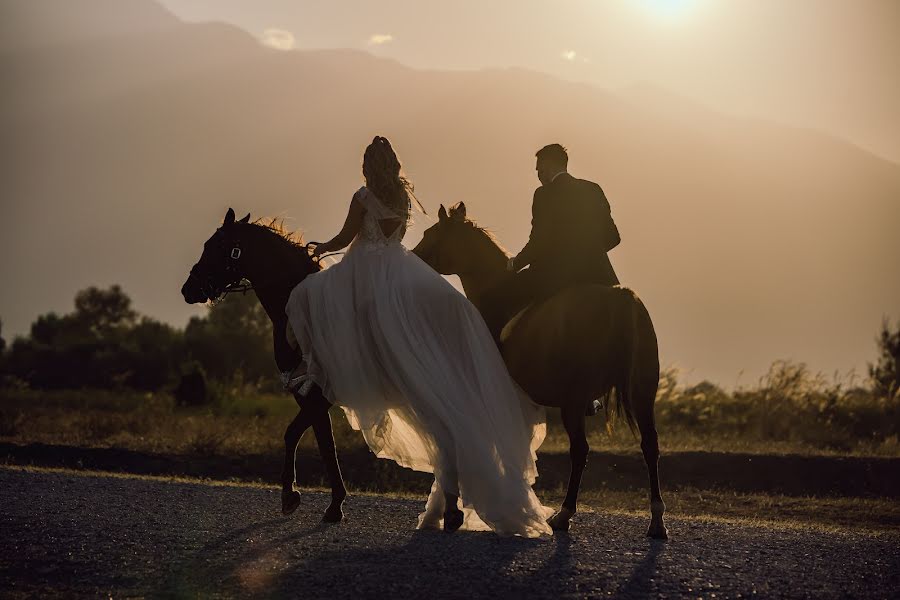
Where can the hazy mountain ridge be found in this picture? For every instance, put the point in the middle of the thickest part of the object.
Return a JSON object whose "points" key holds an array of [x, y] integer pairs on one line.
{"points": [[738, 235]]}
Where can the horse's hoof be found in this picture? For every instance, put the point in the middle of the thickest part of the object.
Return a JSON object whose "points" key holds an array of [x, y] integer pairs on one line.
{"points": [[289, 502], [453, 520], [657, 532], [333, 514], [561, 520], [558, 524]]}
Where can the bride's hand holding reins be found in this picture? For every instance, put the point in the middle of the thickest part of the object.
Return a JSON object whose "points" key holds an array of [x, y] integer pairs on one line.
{"points": [[315, 249]]}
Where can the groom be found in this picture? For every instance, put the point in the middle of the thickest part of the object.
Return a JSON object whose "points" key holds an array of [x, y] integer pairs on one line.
{"points": [[571, 232]]}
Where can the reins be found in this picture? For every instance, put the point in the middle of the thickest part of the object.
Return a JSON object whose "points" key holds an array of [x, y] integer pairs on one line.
{"points": [[244, 285], [318, 259]]}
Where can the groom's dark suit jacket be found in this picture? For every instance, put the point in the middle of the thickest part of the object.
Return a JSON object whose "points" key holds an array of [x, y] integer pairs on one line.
{"points": [[571, 232]]}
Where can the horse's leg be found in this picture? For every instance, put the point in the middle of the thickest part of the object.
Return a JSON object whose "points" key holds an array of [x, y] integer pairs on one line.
{"points": [[573, 420], [447, 474], [453, 516], [290, 499], [328, 452], [644, 399]]}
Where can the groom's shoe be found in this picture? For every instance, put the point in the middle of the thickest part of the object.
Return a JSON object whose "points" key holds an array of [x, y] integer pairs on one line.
{"points": [[593, 408]]}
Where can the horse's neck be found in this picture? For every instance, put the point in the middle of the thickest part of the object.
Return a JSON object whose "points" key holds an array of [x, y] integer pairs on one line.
{"points": [[274, 289], [490, 266]]}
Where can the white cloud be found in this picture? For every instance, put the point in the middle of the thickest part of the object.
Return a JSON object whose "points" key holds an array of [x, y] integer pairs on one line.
{"points": [[572, 56], [380, 38], [278, 39]]}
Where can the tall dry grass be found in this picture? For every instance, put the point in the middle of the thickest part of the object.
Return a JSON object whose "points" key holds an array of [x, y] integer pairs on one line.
{"points": [[790, 410]]}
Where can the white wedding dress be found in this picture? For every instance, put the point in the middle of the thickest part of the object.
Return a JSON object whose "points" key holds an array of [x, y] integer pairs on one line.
{"points": [[413, 365]]}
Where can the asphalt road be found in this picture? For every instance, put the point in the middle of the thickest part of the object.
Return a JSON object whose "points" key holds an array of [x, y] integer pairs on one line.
{"points": [[73, 535]]}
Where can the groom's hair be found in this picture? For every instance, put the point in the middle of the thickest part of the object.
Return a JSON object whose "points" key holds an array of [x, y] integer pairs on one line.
{"points": [[553, 153]]}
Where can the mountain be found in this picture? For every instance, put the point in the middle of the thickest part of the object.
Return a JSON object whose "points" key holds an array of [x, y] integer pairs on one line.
{"points": [[127, 133]]}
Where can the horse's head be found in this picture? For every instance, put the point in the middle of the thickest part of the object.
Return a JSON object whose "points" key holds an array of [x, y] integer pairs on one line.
{"points": [[443, 243], [220, 266], [447, 245]]}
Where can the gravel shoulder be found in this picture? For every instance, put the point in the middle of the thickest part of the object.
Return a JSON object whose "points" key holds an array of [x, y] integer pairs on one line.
{"points": [[68, 534]]}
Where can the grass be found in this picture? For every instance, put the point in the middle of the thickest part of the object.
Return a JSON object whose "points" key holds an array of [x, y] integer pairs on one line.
{"points": [[790, 411]]}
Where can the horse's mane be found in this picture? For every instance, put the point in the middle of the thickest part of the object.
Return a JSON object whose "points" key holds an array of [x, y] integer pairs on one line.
{"points": [[484, 231], [487, 233], [275, 227]]}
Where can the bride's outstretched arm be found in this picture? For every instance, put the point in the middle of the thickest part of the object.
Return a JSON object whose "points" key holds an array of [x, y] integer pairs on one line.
{"points": [[351, 227]]}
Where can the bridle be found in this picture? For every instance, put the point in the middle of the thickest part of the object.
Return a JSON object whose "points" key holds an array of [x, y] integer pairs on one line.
{"points": [[232, 270], [216, 292]]}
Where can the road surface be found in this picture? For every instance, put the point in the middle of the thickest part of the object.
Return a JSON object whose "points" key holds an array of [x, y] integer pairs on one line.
{"points": [[67, 534]]}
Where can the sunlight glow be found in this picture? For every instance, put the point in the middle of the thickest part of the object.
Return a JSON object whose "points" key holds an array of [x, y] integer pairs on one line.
{"points": [[667, 8]]}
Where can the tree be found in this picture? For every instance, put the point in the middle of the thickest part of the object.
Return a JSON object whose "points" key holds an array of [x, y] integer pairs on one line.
{"points": [[104, 312], [885, 373], [234, 337], [150, 355], [2, 341], [89, 347], [104, 343]]}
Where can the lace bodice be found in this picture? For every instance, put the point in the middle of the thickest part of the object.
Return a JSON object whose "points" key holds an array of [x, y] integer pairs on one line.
{"points": [[376, 211]]}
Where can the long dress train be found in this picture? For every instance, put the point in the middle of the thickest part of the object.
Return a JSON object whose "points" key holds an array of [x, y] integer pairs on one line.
{"points": [[413, 365]]}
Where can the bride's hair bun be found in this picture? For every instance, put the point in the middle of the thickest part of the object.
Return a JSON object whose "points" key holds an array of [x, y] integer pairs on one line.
{"points": [[381, 168]]}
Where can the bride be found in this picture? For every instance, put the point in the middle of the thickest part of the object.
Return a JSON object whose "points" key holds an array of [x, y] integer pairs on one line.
{"points": [[414, 367]]}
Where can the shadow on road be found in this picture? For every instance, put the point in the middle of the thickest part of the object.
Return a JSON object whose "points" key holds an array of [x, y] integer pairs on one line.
{"points": [[640, 584], [263, 559]]}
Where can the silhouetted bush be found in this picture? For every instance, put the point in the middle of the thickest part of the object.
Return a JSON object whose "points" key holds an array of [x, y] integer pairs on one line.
{"points": [[105, 344], [234, 337], [191, 389], [885, 373], [791, 404]]}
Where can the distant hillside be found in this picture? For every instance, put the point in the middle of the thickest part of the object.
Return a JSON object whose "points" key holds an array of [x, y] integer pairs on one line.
{"points": [[120, 153]]}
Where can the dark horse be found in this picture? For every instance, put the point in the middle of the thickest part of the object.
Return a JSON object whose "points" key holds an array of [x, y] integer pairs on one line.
{"points": [[566, 351], [273, 264]]}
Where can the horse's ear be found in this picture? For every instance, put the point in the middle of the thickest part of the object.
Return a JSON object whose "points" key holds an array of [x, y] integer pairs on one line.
{"points": [[229, 217], [458, 212], [442, 213], [245, 219]]}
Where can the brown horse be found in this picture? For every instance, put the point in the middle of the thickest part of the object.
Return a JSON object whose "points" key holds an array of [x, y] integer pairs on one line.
{"points": [[566, 351], [273, 263]]}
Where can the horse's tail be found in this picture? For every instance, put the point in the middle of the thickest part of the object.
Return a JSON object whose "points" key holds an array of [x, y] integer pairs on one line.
{"points": [[629, 316]]}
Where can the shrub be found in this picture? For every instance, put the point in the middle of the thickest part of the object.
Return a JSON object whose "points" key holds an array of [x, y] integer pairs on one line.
{"points": [[885, 373]]}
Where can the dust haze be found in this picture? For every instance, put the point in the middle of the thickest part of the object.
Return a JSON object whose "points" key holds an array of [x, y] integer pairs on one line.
{"points": [[128, 131]]}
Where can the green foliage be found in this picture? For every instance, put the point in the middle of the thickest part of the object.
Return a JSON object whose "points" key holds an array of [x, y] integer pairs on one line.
{"points": [[149, 421], [103, 313], [105, 344], [234, 341], [885, 373], [192, 388], [790, 405]]}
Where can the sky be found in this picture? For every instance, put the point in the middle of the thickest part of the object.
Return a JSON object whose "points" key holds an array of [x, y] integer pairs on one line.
{"points": [[703, 121], [831, 65]]}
